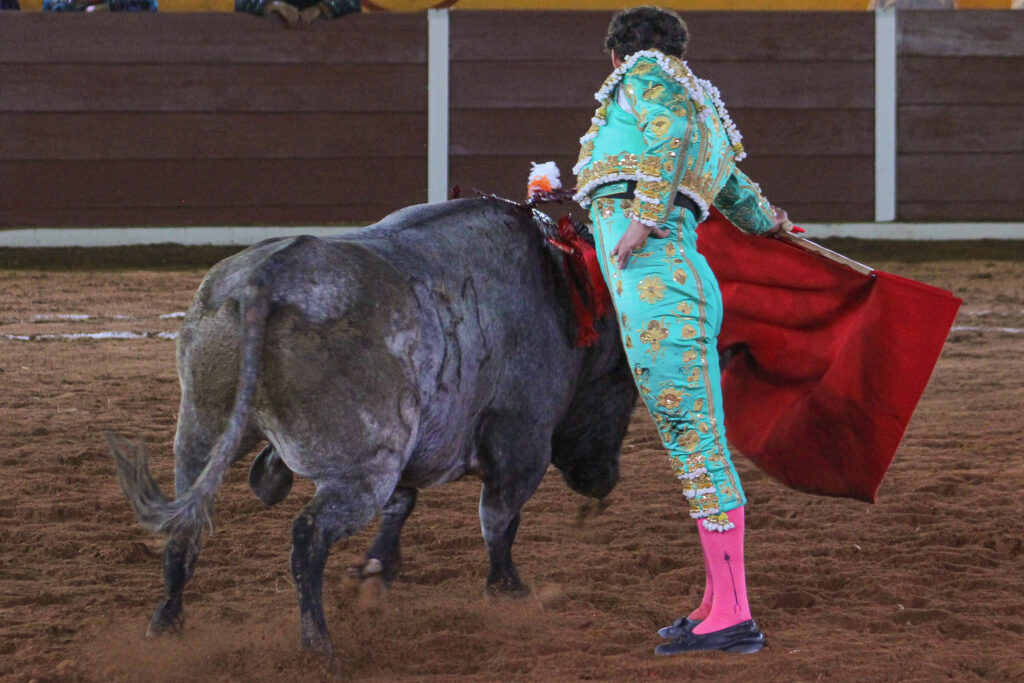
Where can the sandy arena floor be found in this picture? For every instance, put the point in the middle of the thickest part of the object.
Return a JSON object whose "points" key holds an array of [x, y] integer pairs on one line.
{"points": [[926, 585]]}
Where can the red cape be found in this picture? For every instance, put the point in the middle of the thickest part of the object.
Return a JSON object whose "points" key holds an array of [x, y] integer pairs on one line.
{"points": [[828, 363]]}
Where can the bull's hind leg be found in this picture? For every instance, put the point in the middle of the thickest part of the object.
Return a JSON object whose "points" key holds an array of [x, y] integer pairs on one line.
{"points": [[385, 555], [179, 562], [335, 512], [513, 464], [192, 445]]}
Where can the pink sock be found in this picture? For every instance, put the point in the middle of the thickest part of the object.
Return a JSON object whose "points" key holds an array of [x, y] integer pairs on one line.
{"points": [[723, 553], [704, 609]]}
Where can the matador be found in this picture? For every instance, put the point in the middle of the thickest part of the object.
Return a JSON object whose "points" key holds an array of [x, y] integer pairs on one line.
{"points": [[660, 151]]}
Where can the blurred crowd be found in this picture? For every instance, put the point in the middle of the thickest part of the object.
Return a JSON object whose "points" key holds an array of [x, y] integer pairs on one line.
{"points": [[292, 12]]}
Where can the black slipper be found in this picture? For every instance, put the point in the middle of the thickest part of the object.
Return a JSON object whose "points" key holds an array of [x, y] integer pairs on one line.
{"points": [[743, 638], [679, 627]]}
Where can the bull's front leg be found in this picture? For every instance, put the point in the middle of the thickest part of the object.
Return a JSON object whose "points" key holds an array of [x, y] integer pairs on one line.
{"points": [[506, 489], [499, 526]]}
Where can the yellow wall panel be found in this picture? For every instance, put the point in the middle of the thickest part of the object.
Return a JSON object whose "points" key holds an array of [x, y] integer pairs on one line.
{"points": [[682, 5]]}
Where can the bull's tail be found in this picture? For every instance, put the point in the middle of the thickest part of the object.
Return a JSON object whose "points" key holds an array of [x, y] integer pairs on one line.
{"points": [[186, 514]]}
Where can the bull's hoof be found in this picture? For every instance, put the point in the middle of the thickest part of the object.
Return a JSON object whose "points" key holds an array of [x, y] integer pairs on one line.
{"points": [[590, 509], [507, 591], [372, 593], [323, 649], [371, 567], [367, 582], [169, 619]]}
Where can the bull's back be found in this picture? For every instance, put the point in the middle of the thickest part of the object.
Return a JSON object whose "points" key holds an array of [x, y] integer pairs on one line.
{"points": [[339, 332]]}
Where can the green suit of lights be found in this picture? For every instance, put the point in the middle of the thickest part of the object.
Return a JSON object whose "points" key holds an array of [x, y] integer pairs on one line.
{"points": [[665, 129]]}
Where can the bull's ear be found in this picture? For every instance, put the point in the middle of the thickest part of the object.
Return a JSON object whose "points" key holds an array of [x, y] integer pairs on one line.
{"points": [[269, 478]]}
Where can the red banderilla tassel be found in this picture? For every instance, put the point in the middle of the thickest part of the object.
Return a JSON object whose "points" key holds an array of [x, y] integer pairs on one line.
{"points": [[581, 266]]}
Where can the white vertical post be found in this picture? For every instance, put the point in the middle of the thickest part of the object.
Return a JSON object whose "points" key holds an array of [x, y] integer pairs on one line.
{"points": [[885, 114], [437, 105]]}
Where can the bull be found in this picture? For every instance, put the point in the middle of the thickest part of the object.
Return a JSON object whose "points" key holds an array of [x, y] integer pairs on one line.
{"points": [[435, 344]]}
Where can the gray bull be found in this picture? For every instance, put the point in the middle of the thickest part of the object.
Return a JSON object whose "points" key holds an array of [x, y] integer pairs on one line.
{"points": [[433, 345]]}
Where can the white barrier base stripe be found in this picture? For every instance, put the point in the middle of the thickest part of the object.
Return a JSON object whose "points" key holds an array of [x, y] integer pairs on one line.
{"points": [[916, 231], [41, 318], [119, 237], [115, 335], [971, 328]]}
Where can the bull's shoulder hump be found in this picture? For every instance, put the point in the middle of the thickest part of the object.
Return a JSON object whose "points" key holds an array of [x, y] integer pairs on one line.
{"points": [[447, 215]]}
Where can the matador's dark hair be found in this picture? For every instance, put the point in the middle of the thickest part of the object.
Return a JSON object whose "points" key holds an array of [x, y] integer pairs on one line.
{"points": [[643, 28]]}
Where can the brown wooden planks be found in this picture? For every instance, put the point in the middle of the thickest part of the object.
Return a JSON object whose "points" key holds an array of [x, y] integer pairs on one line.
{"points": [[961, 177], [785, 179], [210, 182], [812, 132], [554, 37], [793, 85], [543, 132], [961, 103], [966, 80], [946, 128], [967, 211], [34, 38], [213, 87], [830, 212], [172, 135], [961, 34], [178, 119], [799, 86], [288, 213], [538, 132], [813, 179]]}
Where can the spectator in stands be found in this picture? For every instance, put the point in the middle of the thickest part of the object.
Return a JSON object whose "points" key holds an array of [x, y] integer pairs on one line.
{"points": [[99, 5], [293, 12]]}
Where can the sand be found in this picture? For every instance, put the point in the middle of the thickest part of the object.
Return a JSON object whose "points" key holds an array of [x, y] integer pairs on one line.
{"points": [[928, 584]]}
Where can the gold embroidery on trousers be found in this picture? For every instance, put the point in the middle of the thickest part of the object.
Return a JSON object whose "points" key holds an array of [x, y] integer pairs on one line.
{"points": [[652, 289]]}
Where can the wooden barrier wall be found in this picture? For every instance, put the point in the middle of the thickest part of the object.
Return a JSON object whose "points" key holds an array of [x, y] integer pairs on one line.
{"points": [[961, 116], [223, 119], [800, 87], [136, 120]]}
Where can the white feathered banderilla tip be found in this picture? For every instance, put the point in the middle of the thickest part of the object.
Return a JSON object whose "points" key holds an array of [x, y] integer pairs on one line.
{"points": [[543, 178]]}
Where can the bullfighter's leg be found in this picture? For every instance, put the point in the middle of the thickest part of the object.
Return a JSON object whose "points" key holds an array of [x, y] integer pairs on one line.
{"points": [[513, 466], [385, 555], [335, 512]]}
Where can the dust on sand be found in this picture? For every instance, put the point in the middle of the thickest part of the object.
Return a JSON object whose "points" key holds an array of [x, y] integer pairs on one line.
{"points": [[928, 584]]}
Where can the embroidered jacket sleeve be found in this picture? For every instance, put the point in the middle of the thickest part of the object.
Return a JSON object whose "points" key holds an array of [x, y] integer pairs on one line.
{"points": [[741, 201], [647, 89]]}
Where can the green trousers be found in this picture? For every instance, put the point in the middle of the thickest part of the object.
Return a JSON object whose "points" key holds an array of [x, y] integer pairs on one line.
{"points": [[670, 313]]}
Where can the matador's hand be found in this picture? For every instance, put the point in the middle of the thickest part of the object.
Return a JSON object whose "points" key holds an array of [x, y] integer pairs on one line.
{"points": [[782, 222], [634, 236]]}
